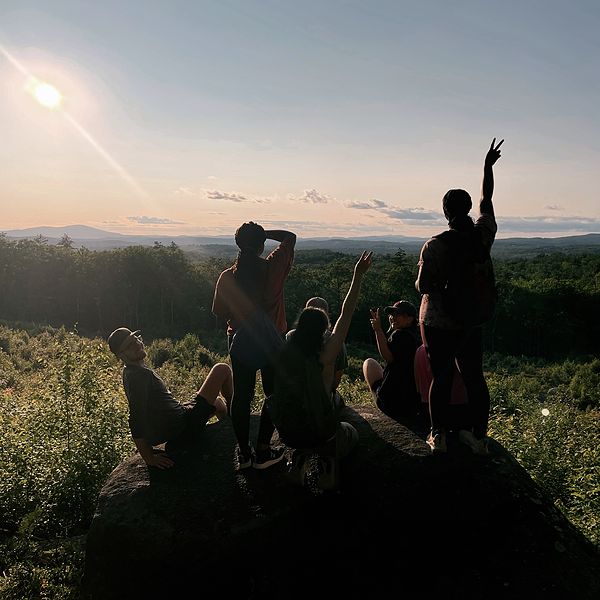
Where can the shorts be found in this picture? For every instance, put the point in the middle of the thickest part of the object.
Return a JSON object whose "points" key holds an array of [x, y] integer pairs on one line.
{"points": [[198, 412]]}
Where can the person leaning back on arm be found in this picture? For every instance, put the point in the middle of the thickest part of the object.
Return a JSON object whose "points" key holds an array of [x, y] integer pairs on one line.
{"points": [[155, 417]]}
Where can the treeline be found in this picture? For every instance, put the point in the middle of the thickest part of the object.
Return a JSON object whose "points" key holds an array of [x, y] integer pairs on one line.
{"points": [[548, 305]]}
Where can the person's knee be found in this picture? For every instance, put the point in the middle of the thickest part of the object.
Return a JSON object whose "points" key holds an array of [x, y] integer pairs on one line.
{"points": [[222, 371]]}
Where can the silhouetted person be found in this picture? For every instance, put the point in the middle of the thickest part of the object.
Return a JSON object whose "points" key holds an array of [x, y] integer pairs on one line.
{"points": [[155, 417], [254, 284], [447, 336], [341, 361], [302, 405], [394, 386]]}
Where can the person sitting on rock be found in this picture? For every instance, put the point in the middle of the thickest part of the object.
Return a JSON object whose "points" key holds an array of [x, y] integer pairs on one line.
{"points": [[155, 417], [341, 361], [394, 386], [302, 407]]}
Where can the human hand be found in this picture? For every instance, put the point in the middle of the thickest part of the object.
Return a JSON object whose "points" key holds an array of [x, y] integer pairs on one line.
{"points": [[376, 320], [363, 264], [160, 461], [493, 154]]}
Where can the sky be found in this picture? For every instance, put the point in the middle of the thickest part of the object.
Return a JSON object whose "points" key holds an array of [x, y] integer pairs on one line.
{"points": [[327, 118]]}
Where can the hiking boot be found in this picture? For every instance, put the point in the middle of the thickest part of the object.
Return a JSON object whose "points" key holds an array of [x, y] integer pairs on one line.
{"points": [[266, 458], [437, 442], [298, 467], [245, 459], [329, 478], [478, 447]]}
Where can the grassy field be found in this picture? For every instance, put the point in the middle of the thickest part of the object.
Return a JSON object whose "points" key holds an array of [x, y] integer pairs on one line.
{"points": [[63, 426]]}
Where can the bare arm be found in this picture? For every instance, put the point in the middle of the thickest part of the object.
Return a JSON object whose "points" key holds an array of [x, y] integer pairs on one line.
{"points": [[380, 338], [340, 330], [279, 235], [487, 187], [151, 459]]}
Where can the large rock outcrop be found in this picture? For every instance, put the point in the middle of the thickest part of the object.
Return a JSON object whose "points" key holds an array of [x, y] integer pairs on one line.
{"points": [[404, 522]]}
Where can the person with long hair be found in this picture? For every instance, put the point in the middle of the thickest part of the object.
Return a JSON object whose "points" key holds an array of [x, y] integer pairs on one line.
{"points": [[448, 334], [254, 285], [302, 405]]}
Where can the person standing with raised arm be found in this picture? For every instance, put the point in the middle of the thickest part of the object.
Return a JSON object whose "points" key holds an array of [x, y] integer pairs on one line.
{"points": [[451, 312]]}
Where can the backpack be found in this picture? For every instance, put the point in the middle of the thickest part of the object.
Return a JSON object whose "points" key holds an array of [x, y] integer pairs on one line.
{"points": [[469, 295], [300, 407]]}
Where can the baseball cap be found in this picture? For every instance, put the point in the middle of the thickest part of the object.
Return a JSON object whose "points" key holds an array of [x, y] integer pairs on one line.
{"points": [[402, 307], [118, 338]]}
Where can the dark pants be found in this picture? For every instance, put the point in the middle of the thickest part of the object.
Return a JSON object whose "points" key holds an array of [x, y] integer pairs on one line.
{"points": [[445, 346], [244, 382]]}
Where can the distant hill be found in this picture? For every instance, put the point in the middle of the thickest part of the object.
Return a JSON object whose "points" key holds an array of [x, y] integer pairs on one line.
{"points": [[201, 246]]}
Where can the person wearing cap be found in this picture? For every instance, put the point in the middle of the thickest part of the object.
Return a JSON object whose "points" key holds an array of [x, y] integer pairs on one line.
{"points": [[155, 417], [341, 361], [393, 386], [448, 341], [254, 284]]}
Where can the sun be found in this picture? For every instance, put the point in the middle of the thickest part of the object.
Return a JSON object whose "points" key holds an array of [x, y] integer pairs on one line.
{"points": [[47, 95]]}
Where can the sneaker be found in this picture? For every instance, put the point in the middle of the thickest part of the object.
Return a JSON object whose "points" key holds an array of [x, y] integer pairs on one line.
{"points": [[266, 458], [329, 478], [297, 468], [477, 446], [245, 459], [437, 442]]}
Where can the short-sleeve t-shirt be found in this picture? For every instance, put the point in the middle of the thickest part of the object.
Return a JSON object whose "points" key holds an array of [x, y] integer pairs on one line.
{"points": [[153, 412], [398, 384], [231, 304], [433, 269]]}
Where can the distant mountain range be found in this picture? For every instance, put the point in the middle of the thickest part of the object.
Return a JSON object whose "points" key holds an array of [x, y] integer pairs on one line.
{"points": [[98, 239]]}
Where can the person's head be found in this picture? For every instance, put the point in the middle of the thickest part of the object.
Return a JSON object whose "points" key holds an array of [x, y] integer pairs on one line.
{"points": [[127, 345], [401, 314], [312, 325], [318, 302], [250, 237], [456, 203]]}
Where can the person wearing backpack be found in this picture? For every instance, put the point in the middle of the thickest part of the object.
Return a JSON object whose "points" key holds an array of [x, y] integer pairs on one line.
{"points": [[458, 295], [302, 406]]}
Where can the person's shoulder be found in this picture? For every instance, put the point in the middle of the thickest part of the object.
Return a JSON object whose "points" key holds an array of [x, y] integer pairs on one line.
{"points": [[487, 221], [137, 372]]}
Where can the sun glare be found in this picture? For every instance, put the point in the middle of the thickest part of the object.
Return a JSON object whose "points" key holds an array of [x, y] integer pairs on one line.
{"points": [[47, 95]]}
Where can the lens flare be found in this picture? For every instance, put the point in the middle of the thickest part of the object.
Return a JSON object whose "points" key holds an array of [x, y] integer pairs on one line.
{"points": [[47, 95]]}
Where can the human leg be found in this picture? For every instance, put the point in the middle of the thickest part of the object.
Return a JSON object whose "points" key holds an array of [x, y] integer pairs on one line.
{"points": [[441, 347], [218, 381], [244, 380], [372, 372], [469, 359]]}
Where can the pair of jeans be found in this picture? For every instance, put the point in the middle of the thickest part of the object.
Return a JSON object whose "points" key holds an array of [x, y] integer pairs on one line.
{"points": [[465, 348], [244, 383]]}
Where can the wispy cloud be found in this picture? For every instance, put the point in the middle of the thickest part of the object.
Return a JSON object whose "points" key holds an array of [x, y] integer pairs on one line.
{"points": [[365, 204], [547, 224], [184, 191], [554, 207], [216, 195], [412, 214], [314, 197], [145, 220]]}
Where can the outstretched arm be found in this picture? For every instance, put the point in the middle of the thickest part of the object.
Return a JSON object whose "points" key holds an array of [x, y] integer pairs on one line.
{"points": [[340, 329], [487, 187]]}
